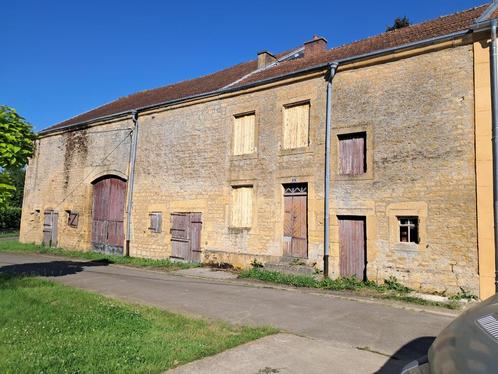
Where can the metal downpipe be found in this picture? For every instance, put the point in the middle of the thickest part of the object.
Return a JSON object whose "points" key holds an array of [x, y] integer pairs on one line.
{"points": [[494, 109], [131, 180], [326, 197]]}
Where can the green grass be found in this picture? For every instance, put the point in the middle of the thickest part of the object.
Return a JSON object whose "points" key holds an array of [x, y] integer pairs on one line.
{"points": [[15, 246], [50, 328], [390, 289], [9, 233]]}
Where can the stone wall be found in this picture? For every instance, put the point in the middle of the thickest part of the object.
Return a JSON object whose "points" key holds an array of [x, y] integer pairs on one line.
{"points": [[59, 177], [184, 164], [418, 116]]}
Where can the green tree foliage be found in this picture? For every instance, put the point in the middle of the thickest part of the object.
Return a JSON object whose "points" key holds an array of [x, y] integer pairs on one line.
{"points": [[10, 218], [399, 23], [15, 178], [16, 146], [11, 199], [16, 139], [6, 188]]}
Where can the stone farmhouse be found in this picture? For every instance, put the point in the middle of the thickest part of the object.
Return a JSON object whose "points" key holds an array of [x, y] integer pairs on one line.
{"points": [[375, 156]]}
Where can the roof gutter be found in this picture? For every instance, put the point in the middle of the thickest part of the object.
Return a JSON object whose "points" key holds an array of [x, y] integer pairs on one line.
{"points": [[317, 67]]}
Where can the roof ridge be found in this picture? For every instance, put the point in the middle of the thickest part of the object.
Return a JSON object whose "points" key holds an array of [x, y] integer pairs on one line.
{"points": [[488, 12], [184, 81], [87, 111], [391, 32], [276, 62], [247, 73], [198, 77]]}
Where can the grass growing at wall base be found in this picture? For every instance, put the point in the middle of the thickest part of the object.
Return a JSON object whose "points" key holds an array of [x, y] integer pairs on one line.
{"points": [[391, 289], [9, 234], [50, 328], [15, 246]]}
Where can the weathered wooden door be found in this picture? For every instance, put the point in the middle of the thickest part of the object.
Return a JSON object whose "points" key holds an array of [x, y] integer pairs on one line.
{"points": [[108, 215], [352, 249], [186, 236], [296, 220], [50, 220]]}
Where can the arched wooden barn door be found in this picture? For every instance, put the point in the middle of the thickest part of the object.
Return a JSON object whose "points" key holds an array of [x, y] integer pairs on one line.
{"points": [[109, 194]]}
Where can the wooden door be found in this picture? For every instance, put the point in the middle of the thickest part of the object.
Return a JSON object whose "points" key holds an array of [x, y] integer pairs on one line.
{"points": [[109, 195], [195, 236], [295, 220], [50, 221], [186, 236], [352, 249]]}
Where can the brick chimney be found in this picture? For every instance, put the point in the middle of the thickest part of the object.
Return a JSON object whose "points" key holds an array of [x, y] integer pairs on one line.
{"points": [[265, 58], [314, 46]]}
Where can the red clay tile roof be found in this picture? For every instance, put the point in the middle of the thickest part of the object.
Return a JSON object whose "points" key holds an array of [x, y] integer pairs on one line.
{"points": [[437, 27]]}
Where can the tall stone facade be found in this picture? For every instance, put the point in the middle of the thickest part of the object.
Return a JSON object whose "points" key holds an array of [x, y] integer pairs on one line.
{"points": [[418, 117], [59, 177]]}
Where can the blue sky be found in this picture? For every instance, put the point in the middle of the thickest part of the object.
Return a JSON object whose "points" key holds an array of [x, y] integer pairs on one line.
{"points": [[61, 58]]}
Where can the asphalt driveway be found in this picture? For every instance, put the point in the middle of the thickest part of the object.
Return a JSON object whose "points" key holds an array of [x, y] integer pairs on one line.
{"points": [[360, 330]]}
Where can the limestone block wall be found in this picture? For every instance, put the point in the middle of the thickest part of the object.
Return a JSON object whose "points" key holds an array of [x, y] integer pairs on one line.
{"points": [[185, 164], [418, 114], [60, 174]]}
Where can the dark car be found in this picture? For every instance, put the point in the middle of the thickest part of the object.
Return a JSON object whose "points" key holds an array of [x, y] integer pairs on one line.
{"points": [[468, 345]]}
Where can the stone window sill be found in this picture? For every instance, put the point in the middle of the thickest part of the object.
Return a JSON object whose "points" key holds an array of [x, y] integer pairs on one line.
{"points": [[407, 247], [365, 176], [295, 151], [238, 229], [248, 156]]}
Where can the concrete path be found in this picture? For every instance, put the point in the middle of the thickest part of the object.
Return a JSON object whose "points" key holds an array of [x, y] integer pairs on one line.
{"points": [[393, 335], [286, 354], [206, 273]]}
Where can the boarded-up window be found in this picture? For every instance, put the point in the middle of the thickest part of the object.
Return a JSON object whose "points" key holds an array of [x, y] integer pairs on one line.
{"points": [[156, 219], [243, 134], [72, 218], [352, 154], [296, 126], [242, 206]]}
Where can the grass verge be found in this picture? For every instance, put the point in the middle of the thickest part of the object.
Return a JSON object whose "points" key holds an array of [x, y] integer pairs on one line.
{"points": [[9, 234], [391, 289], [15, 246], [50, 328]]}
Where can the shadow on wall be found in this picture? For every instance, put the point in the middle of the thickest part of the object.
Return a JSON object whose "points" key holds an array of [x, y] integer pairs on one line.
{"points": [[50, 269], [411, 351]]}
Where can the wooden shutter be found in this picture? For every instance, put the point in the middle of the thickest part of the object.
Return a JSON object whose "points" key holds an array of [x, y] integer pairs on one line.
{"points": [[155, 222], [73, 218], [242, 206], [296, 126], [352, 154], [243, 134]]}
